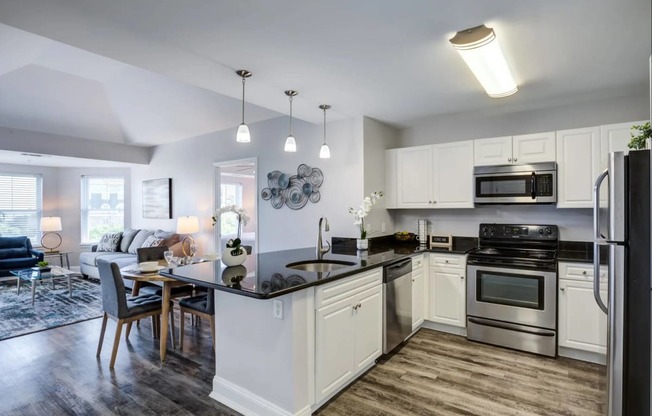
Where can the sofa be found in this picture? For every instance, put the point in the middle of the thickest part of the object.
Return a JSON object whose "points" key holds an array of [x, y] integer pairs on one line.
{"points": [[17, 253], [121, 248]]}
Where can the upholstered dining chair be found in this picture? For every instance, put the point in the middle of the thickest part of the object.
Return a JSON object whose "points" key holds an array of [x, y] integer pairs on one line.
{"points": [[202, 306], [124, 310]]}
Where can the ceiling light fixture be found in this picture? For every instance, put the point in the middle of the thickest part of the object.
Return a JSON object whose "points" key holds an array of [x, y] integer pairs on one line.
{"points": [[243, 135], [482, 53], [290, 143], [324, 152]]}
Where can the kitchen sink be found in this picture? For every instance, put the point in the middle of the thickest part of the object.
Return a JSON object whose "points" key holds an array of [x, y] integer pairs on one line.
{"points": [[319, 265]]}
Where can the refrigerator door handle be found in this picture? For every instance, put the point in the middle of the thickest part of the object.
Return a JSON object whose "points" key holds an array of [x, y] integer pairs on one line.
{"points": [[598, 239]]}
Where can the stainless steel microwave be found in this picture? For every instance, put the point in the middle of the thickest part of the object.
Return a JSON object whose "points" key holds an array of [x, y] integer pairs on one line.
{"points": [[516, 184]]}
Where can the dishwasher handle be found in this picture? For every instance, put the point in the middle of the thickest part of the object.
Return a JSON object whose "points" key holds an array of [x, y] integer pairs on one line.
{"points": [[397, 269]]}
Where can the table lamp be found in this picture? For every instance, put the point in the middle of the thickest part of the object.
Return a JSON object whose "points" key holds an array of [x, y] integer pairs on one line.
{"points": [[187, 225], [49, 225]]}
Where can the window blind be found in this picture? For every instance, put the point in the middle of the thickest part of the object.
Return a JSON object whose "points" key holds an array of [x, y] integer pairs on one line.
{"points": [[21, 205]]}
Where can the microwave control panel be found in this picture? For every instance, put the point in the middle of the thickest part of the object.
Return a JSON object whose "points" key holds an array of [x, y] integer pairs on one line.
{"points": [[544, 184]]}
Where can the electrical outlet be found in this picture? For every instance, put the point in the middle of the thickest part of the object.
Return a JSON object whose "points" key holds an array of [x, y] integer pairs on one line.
{"points": [[278, 309], [383, 228]]}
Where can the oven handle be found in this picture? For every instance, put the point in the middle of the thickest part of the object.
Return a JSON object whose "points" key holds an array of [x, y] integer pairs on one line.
{"points": [[533, 185], [519, 328]]}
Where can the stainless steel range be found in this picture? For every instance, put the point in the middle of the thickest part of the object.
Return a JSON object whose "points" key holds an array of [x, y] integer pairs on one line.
{"points": [[512, 287]]}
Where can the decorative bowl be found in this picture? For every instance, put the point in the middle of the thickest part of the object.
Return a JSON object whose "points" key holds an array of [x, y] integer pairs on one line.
{"points": [[405, 238]]}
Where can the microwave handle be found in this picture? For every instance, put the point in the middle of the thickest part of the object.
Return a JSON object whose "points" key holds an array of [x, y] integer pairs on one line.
{"points": [[533, 185]]}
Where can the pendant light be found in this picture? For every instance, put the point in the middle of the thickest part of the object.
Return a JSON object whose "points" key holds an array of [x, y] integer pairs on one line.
{"points": [[243, 135], [324, 152], [290, 143]]}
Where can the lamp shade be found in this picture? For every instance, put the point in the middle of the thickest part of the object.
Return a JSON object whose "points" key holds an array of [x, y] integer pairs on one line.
{"points": [[481, 52], [187, 225], [50, 224], [290, 144]]}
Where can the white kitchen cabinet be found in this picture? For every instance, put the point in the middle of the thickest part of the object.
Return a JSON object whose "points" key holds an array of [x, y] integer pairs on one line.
{"points": [[615, 138], [522, 149], [418, 292], [582, 324], [452, 176], [414, 177], [348, 332], [437, 176], [447, 289], [578, 162]]}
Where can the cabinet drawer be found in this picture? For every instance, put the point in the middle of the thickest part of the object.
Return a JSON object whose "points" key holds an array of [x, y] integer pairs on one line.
{"points": [[580, 271], [449, 261], [417, 262], [333, 292]]}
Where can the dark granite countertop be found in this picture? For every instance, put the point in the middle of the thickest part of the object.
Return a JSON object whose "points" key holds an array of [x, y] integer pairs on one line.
{"points": [[265, 276], [580, 252]]}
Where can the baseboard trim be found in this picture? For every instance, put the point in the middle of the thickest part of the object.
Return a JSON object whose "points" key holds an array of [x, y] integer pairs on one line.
{"points": [[455, 330], [592, 357], [243, 401]]}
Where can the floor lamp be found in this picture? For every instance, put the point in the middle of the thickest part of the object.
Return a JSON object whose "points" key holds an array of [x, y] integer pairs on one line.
{"points": [[50, 225]]}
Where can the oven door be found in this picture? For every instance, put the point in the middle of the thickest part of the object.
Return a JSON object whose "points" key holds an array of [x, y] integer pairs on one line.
{"points": [[526, 297], [516, 188]]}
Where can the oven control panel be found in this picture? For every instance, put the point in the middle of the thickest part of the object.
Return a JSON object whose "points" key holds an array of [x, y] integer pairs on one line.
{"points": [[519, 231]]}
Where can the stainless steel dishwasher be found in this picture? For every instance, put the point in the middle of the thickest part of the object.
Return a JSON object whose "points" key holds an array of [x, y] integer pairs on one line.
{"points": [[397, 303]]}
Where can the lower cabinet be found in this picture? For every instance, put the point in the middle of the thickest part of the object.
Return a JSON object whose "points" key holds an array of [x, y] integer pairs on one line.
{"points": [[447, 290], [418, 293], [348, 337], [582, 324]]}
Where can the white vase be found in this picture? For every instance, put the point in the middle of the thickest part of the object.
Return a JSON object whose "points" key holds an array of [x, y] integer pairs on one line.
{"points": [[362, 244], [230, 260]]}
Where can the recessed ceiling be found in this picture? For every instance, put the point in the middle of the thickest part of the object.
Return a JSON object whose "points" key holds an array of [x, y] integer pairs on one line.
{"points": [[389, 60]]}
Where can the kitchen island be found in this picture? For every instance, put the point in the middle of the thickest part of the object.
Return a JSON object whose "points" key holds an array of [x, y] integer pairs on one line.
{"points": [[288, 340]]}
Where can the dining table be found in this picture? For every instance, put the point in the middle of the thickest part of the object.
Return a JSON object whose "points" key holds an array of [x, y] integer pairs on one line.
{"points": [[133, 273]]}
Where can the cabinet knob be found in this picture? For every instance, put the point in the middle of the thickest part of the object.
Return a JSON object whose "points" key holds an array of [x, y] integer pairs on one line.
{"points": [[509, 159], [430, 202], [413, 280], [584, 272], [515, 160], [359, 305], [563, 289], [462, 277], [446, 261], [434, 202]]}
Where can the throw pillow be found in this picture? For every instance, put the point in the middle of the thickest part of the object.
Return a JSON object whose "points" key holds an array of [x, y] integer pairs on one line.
{"points": [[152, 242], [127, 237], [138, 241], [109, 242], [171, 238]]}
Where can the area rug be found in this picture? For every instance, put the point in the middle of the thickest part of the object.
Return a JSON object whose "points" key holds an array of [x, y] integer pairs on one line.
{"points": [[52, 308]]}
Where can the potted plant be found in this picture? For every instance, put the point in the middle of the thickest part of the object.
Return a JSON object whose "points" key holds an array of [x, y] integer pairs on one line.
{"points": [[359, 215], [43, 266], [639, 140], [234, 254]]}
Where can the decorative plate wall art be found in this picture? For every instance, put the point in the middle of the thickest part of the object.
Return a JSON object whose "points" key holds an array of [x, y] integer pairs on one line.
{"points": [[293, 191]]}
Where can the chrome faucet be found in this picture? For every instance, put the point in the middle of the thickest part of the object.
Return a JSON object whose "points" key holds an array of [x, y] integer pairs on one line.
{"points": [[320, 245]]}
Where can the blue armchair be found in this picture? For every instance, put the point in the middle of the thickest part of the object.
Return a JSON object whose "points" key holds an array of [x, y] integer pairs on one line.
{"points": [[17, 253]]}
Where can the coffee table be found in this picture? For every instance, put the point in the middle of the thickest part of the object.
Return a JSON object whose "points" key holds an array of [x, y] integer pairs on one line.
{"points": [[37, 275]]}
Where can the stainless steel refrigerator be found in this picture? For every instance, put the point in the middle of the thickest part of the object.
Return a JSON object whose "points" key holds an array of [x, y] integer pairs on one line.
{"points": [[629, 308]]}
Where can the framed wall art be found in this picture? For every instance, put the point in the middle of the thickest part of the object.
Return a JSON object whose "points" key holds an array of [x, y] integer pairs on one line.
{"points": [[157, 198]]}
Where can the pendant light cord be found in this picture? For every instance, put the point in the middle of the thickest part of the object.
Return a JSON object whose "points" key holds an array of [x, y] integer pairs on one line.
{"points": [[243, 98], [324, 126], [290, 115]]}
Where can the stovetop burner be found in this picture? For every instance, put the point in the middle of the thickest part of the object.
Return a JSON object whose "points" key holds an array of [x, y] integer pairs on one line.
{"points": [[503, 252]]}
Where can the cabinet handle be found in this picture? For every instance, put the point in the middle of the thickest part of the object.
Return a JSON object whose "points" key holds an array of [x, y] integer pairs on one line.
{"points": [[413, 280], [359, 305], [509, 159], [563, 289], [462, 277], [515, 160], [434, 202], [584, 272], [355, 307], [430, 202], [446, 261]]}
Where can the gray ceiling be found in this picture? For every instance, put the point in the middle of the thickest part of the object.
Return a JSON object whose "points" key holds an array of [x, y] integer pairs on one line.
{"points": [[147, 72]]}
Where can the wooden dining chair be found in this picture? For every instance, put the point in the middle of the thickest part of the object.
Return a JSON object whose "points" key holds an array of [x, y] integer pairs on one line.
{"points": [[202, 306], [124, 310]]}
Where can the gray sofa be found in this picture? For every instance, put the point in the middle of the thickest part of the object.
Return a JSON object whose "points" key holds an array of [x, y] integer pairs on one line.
{"points": [[125, 253]]}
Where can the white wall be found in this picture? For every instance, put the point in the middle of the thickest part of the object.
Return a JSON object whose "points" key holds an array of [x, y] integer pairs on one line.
{"points": [[575, 224], [190, 165]]}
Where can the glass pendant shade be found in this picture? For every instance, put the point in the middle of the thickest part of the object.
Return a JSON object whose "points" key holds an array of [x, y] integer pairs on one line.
{"points": [[324, 152], [483, 55], [290, 144], [243, 134]]}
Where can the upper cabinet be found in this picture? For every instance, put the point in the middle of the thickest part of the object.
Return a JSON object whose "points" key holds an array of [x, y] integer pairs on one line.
{"points": [[523, 149], [578, 156], [436, 176]]}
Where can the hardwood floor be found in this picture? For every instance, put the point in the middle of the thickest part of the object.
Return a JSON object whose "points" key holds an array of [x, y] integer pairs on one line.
{"points": [[442, 374], [55, 372]]}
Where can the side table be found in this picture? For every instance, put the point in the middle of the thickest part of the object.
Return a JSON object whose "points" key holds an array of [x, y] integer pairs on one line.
{"points": [[61, 255]]}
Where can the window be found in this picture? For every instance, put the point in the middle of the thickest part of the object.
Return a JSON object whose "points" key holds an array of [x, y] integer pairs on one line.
{"points": [[231, 194], [21, 202], [102, 207]]}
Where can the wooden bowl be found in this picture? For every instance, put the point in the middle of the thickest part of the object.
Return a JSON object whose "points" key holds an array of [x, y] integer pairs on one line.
{"points": [[404, 238]]}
